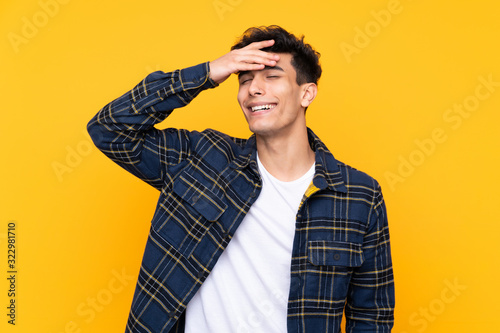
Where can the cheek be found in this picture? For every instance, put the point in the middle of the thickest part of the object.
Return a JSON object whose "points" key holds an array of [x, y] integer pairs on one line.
{"points": [[285, 90], [239, 97]]}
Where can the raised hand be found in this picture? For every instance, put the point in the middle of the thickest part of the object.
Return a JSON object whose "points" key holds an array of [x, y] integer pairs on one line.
{"points": [[248, 58]]}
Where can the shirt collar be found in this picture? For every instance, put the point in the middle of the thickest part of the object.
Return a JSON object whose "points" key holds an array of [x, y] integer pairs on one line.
{"points": [[327, 172], [248, 155]]}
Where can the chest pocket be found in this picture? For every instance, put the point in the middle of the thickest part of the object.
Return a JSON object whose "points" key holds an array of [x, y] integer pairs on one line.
{"points": [[332, 253], [329, 273], [204, 201], [191, 209]]}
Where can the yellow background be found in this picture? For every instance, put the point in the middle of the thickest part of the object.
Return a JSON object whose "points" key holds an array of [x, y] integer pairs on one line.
{"points": [[82, 221]]}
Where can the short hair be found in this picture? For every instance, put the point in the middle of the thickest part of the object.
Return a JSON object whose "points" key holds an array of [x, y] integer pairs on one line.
{"points": [[305, 60]]}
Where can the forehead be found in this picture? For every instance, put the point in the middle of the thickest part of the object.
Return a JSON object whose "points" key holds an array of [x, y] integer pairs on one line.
{"points": [[285, 60]]}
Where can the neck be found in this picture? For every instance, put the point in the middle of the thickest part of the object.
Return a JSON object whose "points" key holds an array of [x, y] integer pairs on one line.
{"points": [[286, 158]]}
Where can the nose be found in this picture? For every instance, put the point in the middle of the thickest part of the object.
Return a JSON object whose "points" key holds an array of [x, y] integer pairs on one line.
{"points": [[256, 87]]}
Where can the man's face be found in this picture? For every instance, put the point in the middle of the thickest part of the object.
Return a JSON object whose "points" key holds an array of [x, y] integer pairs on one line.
{"points": [[271, 99]]}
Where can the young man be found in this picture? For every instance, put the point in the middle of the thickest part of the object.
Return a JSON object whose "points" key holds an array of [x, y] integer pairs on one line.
{"points": [[269, 234]]}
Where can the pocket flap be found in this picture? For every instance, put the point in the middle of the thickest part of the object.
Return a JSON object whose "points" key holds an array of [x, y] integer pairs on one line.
{"points": [[332, 253], [199, 197]]}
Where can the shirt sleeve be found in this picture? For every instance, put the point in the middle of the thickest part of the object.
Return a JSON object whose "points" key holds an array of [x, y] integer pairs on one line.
{"points": [[124, 129], [371, 297]]}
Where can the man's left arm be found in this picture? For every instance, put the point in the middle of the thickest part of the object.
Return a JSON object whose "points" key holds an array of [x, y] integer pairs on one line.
{"points": [[371, 297]]}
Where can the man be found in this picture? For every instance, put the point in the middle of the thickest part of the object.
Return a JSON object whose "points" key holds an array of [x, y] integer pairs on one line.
{"points": [[269, 234]]}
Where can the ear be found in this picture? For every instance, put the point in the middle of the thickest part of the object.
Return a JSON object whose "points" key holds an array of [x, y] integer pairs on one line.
{"points": [[309, 92]]}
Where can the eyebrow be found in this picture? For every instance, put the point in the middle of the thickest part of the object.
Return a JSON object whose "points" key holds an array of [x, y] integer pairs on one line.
{"points": [[264, 69]]}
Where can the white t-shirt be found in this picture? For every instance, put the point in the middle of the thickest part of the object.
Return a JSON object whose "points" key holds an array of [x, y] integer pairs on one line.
{"points": [[247, 291]]}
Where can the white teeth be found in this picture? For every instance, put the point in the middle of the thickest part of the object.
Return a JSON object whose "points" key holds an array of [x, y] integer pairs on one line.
{"points": [[262, 107]]}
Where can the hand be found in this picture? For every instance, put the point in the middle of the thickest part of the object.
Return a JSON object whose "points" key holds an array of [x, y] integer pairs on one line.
{"points": [[249, 58]]}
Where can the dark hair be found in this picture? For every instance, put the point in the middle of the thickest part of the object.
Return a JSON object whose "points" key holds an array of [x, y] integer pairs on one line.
{"points": [[305, 59]]}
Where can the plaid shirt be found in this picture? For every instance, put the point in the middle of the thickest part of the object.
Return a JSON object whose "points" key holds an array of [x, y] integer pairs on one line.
{"points": [[208, 181]]}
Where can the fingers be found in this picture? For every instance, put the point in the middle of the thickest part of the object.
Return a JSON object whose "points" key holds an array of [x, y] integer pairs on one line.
{"points": [[260, 45], [256, 47], [253, 55], [248, 58], [257, 57], [244, 67]]}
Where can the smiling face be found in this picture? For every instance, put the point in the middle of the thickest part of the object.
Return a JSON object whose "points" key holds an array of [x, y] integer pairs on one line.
{"points": [[272, 101]]}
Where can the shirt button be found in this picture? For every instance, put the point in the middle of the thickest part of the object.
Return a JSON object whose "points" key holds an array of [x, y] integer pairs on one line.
{"points": [[252, 195], [201, 274], [195, 199], [336, 256]]}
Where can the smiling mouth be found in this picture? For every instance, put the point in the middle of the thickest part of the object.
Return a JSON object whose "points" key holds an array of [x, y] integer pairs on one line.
{"points": [[264, 107]]}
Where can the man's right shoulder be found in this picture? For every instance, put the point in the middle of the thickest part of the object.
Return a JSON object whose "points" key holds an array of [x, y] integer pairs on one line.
{"points": [[207, 156], [211, 141], [211, 135]]}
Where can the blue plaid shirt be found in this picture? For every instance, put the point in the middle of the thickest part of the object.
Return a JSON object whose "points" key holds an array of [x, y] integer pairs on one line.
{"points": [[341, 257]]}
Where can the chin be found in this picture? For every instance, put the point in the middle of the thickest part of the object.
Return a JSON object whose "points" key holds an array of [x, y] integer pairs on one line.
{"points": [[261, 131]]}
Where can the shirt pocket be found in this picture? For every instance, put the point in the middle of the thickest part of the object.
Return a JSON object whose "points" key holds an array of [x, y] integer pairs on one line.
{"points": [[198, 196], [332, 253], [191, 209], [329, 272]]}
